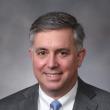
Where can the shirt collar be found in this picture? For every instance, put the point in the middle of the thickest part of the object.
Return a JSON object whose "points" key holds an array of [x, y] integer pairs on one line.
{"points": [[70, 96], [67, 98]]}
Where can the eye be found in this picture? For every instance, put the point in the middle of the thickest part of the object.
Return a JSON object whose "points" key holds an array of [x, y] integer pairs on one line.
{"points": [[41, 53], [64, 53]]}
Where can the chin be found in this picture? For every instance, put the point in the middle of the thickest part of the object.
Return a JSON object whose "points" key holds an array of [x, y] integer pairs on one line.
{"points": [[52, 87]]}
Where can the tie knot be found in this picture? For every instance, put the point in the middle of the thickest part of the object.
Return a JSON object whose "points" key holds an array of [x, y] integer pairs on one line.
{"points": [[55, 105]]}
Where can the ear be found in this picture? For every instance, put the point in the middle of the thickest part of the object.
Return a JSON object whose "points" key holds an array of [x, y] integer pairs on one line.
{"points": [[81, 56], [30, 51]]}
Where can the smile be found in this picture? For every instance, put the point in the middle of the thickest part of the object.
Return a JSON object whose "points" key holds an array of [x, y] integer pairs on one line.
{"points": [[54, 76]]}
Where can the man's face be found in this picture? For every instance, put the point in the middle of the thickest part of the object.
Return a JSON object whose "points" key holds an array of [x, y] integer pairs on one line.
{"points": [[56, 60]]}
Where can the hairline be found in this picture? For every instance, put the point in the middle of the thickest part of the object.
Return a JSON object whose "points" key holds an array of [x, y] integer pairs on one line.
{"points": [[75, 36]]}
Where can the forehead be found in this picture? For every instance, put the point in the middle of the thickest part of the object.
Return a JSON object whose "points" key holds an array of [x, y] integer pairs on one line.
{"points": [[54, 38]]}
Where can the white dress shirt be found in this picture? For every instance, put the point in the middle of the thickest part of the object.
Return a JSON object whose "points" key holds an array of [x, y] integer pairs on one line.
{"points": [[67, 100]]}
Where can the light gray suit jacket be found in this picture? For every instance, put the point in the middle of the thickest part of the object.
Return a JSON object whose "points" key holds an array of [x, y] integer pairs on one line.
{"points": [[87, 98]]}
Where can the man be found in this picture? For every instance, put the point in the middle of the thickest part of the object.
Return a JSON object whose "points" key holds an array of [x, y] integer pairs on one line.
{"points": [[57, 52]]}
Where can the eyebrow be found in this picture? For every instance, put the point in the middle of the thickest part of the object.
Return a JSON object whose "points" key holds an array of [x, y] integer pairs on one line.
{"points": [[63, 49], [38, 49], [58, 50]]}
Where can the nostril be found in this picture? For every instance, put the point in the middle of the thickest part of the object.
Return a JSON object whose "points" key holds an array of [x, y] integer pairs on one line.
{"points": [[53, 67]]}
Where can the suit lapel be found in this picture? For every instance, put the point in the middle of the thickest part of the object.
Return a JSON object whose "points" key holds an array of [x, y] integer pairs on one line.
{"points": [[84, 97], [31, 99]]}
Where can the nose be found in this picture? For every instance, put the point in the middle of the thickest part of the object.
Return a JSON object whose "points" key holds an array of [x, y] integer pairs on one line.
{"points": [[52, 62]]}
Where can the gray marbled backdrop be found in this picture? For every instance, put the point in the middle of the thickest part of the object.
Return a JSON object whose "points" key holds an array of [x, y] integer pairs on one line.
{"points": [[16, 17]]}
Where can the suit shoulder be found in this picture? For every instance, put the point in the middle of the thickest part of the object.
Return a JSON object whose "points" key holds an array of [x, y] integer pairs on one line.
{"points": [[102, 98], [94, 95], [92, 91], [100, 95], [18, 96], [99, 91]]}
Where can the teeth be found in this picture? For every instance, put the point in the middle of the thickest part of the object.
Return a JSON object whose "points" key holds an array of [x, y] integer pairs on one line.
{"points": [[52, 72], [52, 75]]}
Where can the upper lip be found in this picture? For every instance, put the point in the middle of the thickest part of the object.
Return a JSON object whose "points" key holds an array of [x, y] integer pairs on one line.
{"points": [[52, 72]]}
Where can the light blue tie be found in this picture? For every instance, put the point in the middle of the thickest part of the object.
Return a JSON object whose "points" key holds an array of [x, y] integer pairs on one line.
{"points": [[55, 105]]}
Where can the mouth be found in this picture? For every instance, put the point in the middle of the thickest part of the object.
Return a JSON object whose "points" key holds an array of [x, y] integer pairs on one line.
{"points": [[53, 75]]}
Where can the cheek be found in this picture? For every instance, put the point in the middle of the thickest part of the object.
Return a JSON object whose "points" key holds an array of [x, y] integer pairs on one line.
{"points": [[68, 65], [38, 64], [65, 64]]}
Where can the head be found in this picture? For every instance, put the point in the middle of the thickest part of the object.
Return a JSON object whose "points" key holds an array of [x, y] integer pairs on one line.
{"points": [[57, 51], [56, 21]]}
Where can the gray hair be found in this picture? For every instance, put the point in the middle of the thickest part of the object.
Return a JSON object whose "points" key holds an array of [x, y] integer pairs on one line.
{"points": [[55, 21]]}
